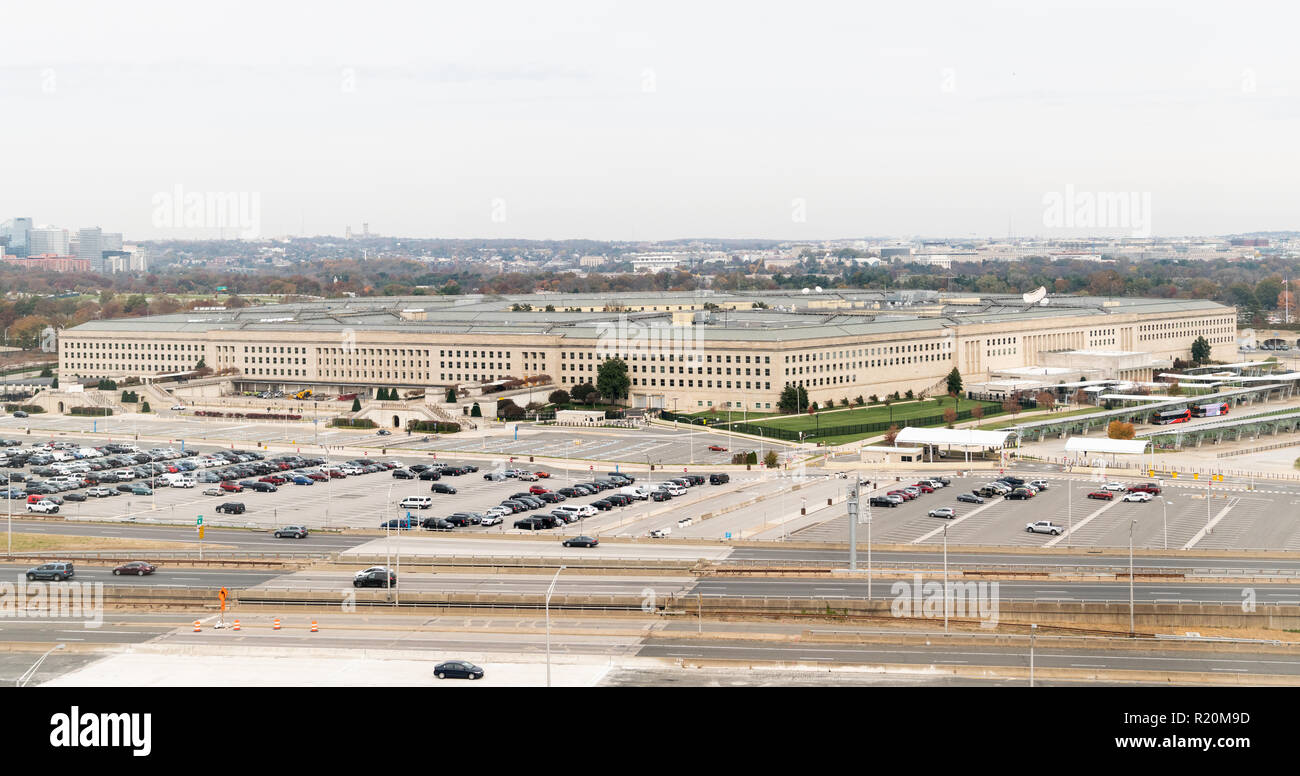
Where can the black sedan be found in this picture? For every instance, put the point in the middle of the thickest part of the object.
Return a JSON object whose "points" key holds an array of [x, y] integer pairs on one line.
{"points": [[457, 669], [137, 567], [581, 541]]}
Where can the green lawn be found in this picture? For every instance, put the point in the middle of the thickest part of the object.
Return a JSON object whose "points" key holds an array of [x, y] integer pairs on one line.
{"points": [[877, 414], [1041, 416]]}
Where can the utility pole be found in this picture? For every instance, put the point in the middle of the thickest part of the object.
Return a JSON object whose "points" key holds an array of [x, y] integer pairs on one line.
{"points": [[853, 525], [945, 578], [1131, 631]]}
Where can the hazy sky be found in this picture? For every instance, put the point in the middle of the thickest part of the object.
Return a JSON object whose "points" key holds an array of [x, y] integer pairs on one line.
{"points": [[650, 120]]}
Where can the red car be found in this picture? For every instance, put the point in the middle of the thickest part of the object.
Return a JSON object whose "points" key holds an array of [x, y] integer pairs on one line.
{"points": [[318, 476], [1102, 494], [1145, 487], [718, 448], [924, 488], [902, 494], [335, 474], [537, 490], [274, 479], [137, 567], [232, 487]]}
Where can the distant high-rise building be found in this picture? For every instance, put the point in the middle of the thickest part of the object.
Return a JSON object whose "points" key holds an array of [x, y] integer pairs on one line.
{"points": [[90, 246], [365, 230], [112, 241], [49, 240], [19, 232], [347, 233]]}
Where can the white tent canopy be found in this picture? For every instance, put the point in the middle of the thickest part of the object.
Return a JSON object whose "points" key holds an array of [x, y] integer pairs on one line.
{"points": [[1113, 446], [952, 437]]}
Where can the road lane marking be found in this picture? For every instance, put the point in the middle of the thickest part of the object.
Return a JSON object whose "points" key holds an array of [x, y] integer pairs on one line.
{"points": [[1071, 530], [1208, 528]]}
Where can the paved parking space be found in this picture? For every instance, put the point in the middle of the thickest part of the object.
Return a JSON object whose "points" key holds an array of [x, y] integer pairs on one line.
{"points": [[1261, 519]]}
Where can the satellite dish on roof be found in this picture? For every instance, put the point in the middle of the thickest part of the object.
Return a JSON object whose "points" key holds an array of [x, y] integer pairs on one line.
{"points": [[818, 289], [1035, 296], [804, 291]]}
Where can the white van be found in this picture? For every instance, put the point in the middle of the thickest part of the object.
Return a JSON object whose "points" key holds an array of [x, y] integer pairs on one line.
{"points": [[638, 492], [416, 502]]}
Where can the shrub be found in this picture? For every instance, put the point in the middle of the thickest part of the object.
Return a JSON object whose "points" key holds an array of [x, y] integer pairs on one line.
{"points": [[1119, 430], [433, 427], [770, 459], [352, 423], [91, 411], [144, 407], [475, 412]]}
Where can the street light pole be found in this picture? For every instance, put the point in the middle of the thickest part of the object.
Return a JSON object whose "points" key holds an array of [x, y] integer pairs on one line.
{"points": [[1164, 517], [549, 591], [1033, 630], [1130, 578], [945, 578]]}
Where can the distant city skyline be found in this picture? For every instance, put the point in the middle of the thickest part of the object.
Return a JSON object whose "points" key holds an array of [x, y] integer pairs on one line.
{"points": [[579, 121]]}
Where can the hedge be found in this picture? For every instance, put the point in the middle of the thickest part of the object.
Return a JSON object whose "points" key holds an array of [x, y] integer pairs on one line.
{"points": [[28, 408], [434, 427], [95, 411], [353, 423]]}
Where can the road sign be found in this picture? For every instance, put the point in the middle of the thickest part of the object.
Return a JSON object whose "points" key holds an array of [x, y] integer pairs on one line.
{"points": [[200, 520], [200, 532], [728, 534], [221, 596]]}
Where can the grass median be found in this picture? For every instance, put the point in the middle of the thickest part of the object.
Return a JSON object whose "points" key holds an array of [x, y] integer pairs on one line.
{"points": [[26, 542]]}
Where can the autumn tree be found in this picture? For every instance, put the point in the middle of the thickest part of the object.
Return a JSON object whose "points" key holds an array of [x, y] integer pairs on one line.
{"points": [[1118, 429]]}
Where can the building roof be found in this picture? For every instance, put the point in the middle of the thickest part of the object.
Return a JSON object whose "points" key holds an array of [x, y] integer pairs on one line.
{"points": [[952, 437], [1105, 445]]}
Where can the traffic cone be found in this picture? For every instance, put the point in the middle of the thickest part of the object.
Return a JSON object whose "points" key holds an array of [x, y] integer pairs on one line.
{"points": [[197, 629], [277, 624], [236, 624], [313, 627]]}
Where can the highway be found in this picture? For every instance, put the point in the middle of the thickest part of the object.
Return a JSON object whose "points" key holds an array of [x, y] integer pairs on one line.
{"points": [[249, 541]]}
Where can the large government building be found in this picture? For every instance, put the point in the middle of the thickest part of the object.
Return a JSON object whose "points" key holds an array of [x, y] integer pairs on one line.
{"points": [[685, 351]]}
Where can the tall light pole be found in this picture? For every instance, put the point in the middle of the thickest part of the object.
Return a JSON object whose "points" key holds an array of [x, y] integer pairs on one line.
{"points": [[1033, 630], [549, 591], [945, 577], [31, 672], [1069, 511], [1130, 578]]}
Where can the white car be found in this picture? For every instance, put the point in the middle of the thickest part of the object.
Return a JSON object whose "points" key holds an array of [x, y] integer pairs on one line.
{"points": [[99, 492], [498, 512], [660, 533], [491, 519], [1044, 526], [1115, 486], [673, 489], [1040, 484], [528, 476], [44, 506], [1138, 496], [178, 407]]}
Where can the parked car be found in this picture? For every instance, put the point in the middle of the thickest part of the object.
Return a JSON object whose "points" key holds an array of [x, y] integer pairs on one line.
{"points": [[100, 492], [416, 502], [883, 501], [1117, 487], [1021, 493], [137, 567], [1139, 496], [231, 508], [718, 448], [44, 506], [945, 512], [1145, 487], [208, 492], [491, 519], [1104, 495], [403, 474], [719, 479], [457, 669], [970, 498], [440, 487], [292, 532], [232, 487], [1040, 484], [1044, 526]]}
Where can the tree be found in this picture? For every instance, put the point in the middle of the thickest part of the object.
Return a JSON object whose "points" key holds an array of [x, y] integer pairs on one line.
{"points": [[451, 396], [793, 399], [144, 407], [54, 383], [1175, 390], [891, 435], [844, 402], [954, 382], [1046, 400], [558, 397], [770, 459], [977, 412], [612, 380], [508, 410], [581, 391], [201, 363], [475, 412], [1117, 429], [858, 401], [356, 403], [950, 416], [1010, 404], [751, 458], [1200, 351], [47, 372]]}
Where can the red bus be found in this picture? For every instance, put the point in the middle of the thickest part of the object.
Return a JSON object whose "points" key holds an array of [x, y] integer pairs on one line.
{"points": [[1171, 416], [1209, 410]]}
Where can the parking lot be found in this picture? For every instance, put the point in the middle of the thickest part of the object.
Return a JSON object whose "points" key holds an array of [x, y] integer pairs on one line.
{"points": [[641, 445], [1260, 519], [354, 501]]}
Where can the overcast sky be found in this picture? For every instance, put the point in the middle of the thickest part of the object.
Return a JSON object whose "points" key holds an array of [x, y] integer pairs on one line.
{"points": [[650, 121]]}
